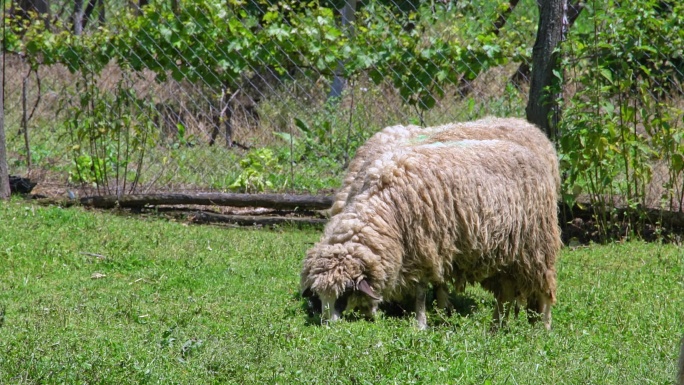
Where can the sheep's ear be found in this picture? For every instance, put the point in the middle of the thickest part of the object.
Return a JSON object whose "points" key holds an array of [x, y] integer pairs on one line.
{"points": [[365, 288]]}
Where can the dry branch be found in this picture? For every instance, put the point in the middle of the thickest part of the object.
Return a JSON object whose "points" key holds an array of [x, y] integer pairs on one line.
{"points": [[253, 220]]}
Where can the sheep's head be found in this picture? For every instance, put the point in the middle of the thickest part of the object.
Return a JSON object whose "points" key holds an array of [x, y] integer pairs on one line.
{"points": [[362, 298], [333, 280]]}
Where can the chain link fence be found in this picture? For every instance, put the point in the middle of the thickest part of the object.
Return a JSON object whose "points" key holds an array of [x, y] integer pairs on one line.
{"points": [[119, 97]]}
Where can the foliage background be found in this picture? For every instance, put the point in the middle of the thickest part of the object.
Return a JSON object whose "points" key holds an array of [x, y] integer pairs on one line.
{"points": [[134, 102]]}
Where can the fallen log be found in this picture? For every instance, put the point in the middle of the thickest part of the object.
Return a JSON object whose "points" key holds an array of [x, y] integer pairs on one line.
{"points": [[271, 201], [19, 185], [669, 219]]}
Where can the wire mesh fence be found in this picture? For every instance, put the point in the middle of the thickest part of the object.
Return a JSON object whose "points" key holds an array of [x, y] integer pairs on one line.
{"points": [[121, 97]]}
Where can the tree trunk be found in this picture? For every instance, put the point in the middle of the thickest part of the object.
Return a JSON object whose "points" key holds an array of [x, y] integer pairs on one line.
{"points": [[253, 220], [223, 113], [41, 7], [348, 13], [92, 5], [545, 61], [77, 18], [88, 13], [465, 87], [522, 74], [4, 170]]}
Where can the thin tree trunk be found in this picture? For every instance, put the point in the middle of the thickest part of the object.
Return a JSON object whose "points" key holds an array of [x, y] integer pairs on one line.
{"points": [[141, 4], [24, 121], [4, 170], [77, 17], [522, 74], [41, 7], [88, 13], [101, 15], [465, 87], [92, 5], [545, 61], [252, 220], [223, 116], [348, 13]]}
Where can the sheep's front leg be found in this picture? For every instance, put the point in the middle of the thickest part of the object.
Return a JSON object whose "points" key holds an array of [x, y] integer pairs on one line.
{"points": [[329, 312], [539, 305], [421, 294]]}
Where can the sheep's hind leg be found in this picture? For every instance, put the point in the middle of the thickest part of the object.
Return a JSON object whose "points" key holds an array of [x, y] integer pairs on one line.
{"points": [[421, 316], [443, 302], [505, 299]]}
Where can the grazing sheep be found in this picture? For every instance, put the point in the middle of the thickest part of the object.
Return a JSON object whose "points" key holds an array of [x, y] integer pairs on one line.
{"points": [[478, 210], [512, 129]]}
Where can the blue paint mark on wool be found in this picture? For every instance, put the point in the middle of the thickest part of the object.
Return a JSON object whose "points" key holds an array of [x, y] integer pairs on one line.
{"points": [[461, 143]]}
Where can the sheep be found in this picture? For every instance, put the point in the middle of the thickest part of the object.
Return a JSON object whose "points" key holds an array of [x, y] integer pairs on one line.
{"points": [[513, 129], [479, 210]]}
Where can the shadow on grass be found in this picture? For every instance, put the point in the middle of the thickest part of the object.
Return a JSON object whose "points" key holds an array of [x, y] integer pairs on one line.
{"points": [[463, 306]]}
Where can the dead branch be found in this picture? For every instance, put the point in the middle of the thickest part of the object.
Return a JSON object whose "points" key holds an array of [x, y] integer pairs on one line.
{"points": [[254, 220]]}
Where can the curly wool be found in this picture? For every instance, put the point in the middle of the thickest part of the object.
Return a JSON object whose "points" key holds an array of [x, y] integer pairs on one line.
{"points": [[512, 129], [430, 212], [382, 141]]}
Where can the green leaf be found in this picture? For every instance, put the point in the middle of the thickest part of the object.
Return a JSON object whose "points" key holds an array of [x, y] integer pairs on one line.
{"points": [[302, 125], [607, 74], [677, 162]]}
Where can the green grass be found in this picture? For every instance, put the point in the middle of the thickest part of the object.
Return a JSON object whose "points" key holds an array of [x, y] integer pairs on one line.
{"points": [[199, 305]]}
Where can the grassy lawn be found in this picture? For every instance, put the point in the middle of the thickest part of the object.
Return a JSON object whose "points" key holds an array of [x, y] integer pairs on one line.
{"points": [[178, 304]]}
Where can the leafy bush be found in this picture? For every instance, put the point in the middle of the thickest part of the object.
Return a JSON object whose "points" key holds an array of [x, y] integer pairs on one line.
{"points": [[110, 136], [618, 125], [258, 168]]}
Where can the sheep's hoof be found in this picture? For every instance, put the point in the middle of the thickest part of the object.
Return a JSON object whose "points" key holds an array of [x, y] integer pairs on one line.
{"points": [[421, 325]]}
